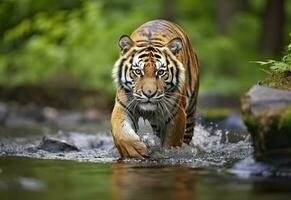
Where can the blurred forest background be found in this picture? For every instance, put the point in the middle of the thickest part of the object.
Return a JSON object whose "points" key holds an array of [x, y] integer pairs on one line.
{"points": [[61, 52]]}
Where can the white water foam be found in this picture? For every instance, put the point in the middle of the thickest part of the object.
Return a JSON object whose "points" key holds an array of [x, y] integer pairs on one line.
{"points": [[209, 147]]}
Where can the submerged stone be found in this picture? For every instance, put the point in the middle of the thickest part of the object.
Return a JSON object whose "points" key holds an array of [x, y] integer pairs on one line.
{"points": [[267, 115], [51, 144]]}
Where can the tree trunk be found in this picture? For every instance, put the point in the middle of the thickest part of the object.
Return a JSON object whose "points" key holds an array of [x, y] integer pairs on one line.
{"points": [[168, 10], [272, 36], [226, 10]]}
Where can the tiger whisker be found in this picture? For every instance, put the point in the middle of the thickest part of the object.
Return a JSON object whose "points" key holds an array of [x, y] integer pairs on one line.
{"points": [[171, 101], [171, 116], [171, 94]]}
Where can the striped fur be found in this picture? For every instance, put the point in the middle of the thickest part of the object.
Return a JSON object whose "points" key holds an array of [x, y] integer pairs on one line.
{"points": [[157, 78]]}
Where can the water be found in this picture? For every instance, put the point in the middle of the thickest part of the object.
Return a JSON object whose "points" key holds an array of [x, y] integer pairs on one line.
{"points": [[217, 165], [209, 147], [54, 179]]}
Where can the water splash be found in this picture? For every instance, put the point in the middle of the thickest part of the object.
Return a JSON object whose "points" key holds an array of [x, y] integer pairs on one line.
{"points": [[209, 147]]}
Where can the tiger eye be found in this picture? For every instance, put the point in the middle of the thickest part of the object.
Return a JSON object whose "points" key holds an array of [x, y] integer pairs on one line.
{"points": [[137, 71], [161, 72]]}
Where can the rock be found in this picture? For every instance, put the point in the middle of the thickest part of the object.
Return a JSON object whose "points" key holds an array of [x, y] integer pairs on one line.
{"points": [[85, 141], [54, 145], [267, 115]]}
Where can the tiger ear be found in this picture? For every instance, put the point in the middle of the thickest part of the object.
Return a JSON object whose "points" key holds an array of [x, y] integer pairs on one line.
{"points": [[125, 43], [175, 45]]}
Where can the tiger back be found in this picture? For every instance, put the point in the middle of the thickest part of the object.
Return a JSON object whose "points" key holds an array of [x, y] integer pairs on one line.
{"points": [[157, 78]]}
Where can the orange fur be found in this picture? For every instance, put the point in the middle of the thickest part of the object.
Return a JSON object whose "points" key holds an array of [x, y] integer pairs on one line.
{"points": [[157, 65]]}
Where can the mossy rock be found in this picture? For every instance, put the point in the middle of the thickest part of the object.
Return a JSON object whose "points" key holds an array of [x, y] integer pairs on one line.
{"points": [[279, 80], [267, 115]]}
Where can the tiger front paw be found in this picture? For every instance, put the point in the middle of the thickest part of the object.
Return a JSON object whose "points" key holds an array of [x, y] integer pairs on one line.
{"points": [[131, 148]]}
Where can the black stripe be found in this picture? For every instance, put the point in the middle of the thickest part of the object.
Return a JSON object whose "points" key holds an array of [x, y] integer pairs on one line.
{"points": [[151, 49], [142, 45], [191, 104], [172, 73], [131, 59], [154, 126], [158, 51], [191, 112], [124, 89], [187, 139], [130, 114], [141, 41], [189, 75], [127, 83], [120, 71], [157, 39], [170, 118], [177, 73], [143, 55], [189, 125], [151, 54], [125, 72], [157, 56], [157, 44], [172, 88], [188, 130], [123, 105]]}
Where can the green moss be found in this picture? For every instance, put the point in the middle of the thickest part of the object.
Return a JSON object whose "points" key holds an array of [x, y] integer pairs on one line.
{"points": [[285, 121], [254, 127], [280, 80], [270, 130], [216, 113]]}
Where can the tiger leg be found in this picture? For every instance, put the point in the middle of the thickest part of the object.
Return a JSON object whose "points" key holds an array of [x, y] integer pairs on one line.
{"points": [[124, 135], [174, 130], [189, 130], [190, 122]]}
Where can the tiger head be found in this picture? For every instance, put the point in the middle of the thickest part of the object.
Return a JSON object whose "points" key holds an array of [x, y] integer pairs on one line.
{"points": [[149, 73]]}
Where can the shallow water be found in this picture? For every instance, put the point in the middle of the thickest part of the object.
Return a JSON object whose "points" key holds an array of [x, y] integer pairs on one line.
{"points": [[22, 178], [217, 165], [209, 147]]}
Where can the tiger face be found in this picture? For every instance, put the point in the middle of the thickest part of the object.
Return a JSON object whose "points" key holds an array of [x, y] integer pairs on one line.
{"points": [[149, 73]]}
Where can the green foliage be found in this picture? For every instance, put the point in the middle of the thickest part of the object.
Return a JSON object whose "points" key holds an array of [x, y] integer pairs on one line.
{"points": [[80, 46], [73, 43], [279, 72], [284, 65], [225, 66]]}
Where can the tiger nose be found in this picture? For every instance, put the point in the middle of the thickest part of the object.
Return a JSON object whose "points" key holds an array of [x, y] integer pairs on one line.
{"points": [[149, 93]]}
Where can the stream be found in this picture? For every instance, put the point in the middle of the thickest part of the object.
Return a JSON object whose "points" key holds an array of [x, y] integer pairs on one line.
{"points": [[218, 164]]}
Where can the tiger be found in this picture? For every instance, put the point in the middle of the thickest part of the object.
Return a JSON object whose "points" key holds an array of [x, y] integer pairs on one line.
{"points": [[157, 79]]}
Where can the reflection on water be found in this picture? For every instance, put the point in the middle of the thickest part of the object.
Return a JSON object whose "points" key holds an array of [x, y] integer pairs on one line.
{"points": [[53, 179], [151, 182]]}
